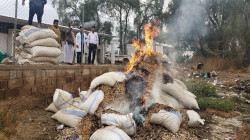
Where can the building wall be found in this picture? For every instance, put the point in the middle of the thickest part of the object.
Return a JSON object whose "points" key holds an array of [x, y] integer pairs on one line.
{"points": [[18, 81], [3, 42]]}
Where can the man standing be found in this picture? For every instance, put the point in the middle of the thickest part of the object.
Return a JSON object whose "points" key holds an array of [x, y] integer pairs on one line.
{"points": [[57, 31], [36, 7], [93, 41], [80, 45], [69, 45]]}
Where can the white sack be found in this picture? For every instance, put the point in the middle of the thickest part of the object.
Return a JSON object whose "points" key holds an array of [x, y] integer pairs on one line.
{"points": [[194, 118], [27, 27], [52, 108], [52, 60], [93, 101], [109, 133], [169, 119], [62, 99], [180, 83], [108, 79], [31, 34], [45, 51], [83, 94], [124, 122], [69, 116], [186, 98], [49, 42]]}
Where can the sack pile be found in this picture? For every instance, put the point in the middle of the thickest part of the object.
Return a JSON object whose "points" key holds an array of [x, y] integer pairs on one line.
{"points": [[37, 45]]}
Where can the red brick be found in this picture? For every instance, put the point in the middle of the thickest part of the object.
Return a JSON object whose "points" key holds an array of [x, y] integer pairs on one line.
{"points": [[51, 81], [4, 75], [13, 74], [4, 84], [51, 73], [2, 93], [61, 80], [24, 91], [69, 73], [15, 83], [28, 82], [28, 74], [41, 82]]}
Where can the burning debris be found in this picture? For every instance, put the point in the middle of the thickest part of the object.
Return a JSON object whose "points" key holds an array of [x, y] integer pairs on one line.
{"points": [[143, 95]]}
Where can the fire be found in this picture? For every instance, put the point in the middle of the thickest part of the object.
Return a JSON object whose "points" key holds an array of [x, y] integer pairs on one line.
{"points": [[143, 49]]}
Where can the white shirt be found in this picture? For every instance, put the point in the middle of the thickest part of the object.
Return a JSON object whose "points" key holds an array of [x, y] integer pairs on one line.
{"points": [[93, 38], [79, 40]]}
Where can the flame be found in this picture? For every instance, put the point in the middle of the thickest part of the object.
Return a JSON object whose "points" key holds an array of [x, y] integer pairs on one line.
{"points": [[143, 49]]}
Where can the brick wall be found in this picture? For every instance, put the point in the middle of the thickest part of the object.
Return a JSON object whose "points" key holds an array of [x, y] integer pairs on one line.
{"points": [[39, 79]]}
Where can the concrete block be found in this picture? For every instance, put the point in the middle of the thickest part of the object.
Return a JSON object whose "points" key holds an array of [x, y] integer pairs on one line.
{"points": [[28, 73], [13, 74], [15, 83], [4, 75], [51, 73]]}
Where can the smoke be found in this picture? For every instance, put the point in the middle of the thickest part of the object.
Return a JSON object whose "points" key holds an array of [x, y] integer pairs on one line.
{"points": [[188, 22]]}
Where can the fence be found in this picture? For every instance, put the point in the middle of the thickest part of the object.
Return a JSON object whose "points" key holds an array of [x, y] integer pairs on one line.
{"points": [[22, 44]]}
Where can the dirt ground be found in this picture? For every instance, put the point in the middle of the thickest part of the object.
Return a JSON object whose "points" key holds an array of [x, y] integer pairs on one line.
{"points": [[25, 118]]}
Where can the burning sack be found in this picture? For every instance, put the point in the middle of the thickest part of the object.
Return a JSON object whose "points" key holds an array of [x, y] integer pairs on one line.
{"points": [[109, 133], [125, 122], [93, 101], [169, 119], [108, 79], [69, 116], [194, 119], [62, 99], [52, 108], [186, 98]]}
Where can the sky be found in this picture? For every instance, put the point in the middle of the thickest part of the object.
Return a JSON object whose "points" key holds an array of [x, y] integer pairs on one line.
{"points": [[7, 8]]}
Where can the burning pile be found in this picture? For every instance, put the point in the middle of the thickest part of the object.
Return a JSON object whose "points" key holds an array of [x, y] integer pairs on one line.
{"points": [[144, 95]]}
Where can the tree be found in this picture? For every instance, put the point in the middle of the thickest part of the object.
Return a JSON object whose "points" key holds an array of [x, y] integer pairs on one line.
{"points": [[107, 28]]}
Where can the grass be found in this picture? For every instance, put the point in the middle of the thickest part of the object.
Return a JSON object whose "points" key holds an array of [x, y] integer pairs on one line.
{"points": [[246, 96], [201, 89], [7, 123], [226, 105]]}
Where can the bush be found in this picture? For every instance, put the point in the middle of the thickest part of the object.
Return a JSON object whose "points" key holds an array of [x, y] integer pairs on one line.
{"points": [[201, 89], [225, 105], [246, 96]]}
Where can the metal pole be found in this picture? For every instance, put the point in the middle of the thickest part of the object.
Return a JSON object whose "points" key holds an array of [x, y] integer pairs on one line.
{"points": [[83, 44], [15, 28], [112, 54]]}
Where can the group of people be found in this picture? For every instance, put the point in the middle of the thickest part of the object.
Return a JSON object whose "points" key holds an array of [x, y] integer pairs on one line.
{"points": [[78, 43]]}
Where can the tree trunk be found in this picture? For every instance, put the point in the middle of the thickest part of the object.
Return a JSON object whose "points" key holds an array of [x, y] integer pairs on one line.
{"points": [[121, 32], [125, 32]]}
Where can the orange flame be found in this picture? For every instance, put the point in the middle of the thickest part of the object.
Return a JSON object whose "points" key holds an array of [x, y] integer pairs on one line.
{"points": [[143, 49]]}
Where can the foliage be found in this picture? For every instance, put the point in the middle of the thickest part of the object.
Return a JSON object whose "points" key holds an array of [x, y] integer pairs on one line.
{"points": [[246, 96], [201, 89], [225, 105], [236, 99], [107, 27]]}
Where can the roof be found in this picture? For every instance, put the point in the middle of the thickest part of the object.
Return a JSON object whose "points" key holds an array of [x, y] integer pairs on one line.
{"points": [[8, 19]]}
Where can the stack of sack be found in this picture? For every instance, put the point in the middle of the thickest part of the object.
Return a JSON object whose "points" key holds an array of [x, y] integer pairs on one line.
{"points": [[37, 45]]}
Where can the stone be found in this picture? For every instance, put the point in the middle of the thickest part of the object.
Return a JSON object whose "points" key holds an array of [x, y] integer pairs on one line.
{"points": [[15, 83], [24, 91], [85, 72], [19, 74], [4, 75], [51, 81], [13, 74], [69, 79], [51, 73], [60, 73], [61, 80], [80, 78], [28, 74]]}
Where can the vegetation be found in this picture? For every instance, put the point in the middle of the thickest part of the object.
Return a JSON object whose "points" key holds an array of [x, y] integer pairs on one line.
{"points": [[7, 123], [201, 89], [225, 105], [246, 96]]}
